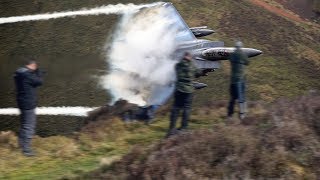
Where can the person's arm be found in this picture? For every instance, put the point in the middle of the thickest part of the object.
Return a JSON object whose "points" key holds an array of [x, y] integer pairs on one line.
{"points": [[201, 72], [35, 79], [245, 60]]}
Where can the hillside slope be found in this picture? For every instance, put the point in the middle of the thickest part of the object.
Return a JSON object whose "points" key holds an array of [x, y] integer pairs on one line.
{"points": [[71, 50], [291, 50], [283, 142]]}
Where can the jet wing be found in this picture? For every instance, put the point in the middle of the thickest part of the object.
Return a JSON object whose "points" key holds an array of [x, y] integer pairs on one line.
{"points": [[205, 64], [188, 42], [184, 33]]}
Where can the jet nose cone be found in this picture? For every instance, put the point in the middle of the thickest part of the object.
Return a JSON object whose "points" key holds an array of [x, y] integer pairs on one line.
{"points": [[253, 52]]}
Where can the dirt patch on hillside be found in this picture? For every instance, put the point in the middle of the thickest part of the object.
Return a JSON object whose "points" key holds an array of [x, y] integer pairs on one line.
{"points": [[278, 11], [304, 8]]}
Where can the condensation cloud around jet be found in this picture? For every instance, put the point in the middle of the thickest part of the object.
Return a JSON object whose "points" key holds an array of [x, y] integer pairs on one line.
{"points": [[141, 55]]}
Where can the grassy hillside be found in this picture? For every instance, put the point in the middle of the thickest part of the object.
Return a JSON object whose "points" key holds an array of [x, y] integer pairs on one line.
{"points": [[291, 51], [71, 50], [281, 142]]}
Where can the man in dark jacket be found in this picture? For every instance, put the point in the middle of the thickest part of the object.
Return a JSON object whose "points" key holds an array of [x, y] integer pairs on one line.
{"points": [[186, 72], [238, 62], [27, 79]]}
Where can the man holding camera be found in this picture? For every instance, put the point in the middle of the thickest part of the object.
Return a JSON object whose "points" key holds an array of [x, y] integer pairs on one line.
{"points": [[27, 79]]}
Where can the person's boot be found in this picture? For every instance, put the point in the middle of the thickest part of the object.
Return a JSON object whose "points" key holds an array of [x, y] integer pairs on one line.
{"points": [[182, 129], [242, 110], [171, 132], [26, 148], [28, 153], [229, 119], [185, 120], [242, 116]]}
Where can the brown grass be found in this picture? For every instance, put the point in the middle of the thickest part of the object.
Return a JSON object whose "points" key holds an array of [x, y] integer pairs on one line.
{"points": [[281, 142]]}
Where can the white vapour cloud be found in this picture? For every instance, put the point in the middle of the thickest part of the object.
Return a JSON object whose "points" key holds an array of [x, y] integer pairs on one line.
{"points": [[140, 57], [141, 65], [109, 9], [120, 81]]}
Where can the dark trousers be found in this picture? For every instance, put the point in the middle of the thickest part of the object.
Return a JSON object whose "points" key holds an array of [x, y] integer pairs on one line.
{"points": [[28, 124], [237, 92], [182, 101]]}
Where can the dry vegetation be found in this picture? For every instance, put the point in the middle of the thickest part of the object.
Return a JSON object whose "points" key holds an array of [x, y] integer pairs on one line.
{"points": [[103, 139], [276, 141], [281, 142]]}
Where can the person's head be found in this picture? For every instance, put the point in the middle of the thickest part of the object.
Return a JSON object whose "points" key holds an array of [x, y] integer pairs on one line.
{"points": [[238, 44], [31, 64], [187, 56]]}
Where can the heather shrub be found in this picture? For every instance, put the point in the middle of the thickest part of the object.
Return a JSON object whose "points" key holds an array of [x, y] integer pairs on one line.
{"points": [[281, 141]]}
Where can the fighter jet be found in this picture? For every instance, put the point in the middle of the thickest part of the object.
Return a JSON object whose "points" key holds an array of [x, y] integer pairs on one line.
{"points": [[207, 54]]}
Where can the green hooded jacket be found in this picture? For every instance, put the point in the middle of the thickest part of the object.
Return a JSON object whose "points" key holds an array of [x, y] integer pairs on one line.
{"points": [[186, 71], [238, 62]]}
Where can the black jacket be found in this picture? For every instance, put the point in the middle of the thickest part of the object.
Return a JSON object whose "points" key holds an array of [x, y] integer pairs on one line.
{"points": [[26, 82]]}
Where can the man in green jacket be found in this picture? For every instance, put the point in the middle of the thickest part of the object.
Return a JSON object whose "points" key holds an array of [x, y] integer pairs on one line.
{"points": [[186, 72], [238, 62]]}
